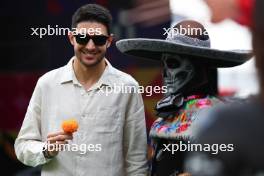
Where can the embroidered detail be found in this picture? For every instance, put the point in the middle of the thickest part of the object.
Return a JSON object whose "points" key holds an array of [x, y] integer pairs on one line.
{"points": [[180, 123]]}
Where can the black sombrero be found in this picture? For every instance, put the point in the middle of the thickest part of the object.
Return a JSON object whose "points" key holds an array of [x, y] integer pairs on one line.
{"points": [[183, 45]]}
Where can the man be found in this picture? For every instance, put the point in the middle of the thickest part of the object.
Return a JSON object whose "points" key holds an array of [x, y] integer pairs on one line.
{"points": [[111, 139], [190, 74]]}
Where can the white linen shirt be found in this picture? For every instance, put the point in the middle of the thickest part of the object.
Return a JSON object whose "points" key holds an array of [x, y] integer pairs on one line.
{"points": [[113, 123]]}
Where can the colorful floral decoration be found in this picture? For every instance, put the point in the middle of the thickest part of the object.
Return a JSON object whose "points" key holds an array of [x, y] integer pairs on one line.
{"points": [[178, 125]]}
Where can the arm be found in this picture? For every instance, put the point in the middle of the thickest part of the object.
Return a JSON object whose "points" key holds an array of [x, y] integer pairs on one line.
{"points": [[135, 139], [29, 144]]}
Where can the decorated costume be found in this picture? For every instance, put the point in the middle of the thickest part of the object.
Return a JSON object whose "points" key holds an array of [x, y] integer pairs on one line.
{"points": [[190, 74]]}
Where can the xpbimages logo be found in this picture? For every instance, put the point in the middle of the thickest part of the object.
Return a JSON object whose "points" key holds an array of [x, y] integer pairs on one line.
{"points": [[180, 30], [50, 31], [190, 147], [81, 148], [122, 88]]}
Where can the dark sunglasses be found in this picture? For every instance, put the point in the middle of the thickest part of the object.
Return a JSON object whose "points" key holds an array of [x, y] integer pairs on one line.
{"points": [[98, 40]]}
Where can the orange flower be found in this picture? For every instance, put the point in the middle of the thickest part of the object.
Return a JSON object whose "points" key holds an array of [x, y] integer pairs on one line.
{"points": [[70, 125]]}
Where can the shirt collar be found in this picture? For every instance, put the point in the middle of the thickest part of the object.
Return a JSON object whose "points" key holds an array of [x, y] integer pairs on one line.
{"points": [[68, 75]]}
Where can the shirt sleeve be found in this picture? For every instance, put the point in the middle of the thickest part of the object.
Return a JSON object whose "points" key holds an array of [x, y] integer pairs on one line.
{"points": [[135, 138], [29, 144]]}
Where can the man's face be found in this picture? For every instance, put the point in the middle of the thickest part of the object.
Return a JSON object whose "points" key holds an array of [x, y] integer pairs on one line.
{"points": [[90, 53]]}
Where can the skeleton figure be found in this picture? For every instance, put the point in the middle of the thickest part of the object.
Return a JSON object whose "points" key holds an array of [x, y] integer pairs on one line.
{"points": [[190, 74], [183, 77]]}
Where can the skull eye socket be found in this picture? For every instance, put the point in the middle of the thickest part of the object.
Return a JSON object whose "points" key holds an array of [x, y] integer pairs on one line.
{"points": [[172, 63]]}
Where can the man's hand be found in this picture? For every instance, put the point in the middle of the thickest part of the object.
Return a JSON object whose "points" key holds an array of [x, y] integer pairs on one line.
{"points": [[54, 140]]}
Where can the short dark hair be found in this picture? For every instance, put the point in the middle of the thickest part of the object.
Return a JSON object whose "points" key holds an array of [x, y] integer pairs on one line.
{"points": [[93, 13]]}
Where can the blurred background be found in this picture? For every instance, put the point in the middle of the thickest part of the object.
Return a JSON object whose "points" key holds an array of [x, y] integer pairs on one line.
{"points": [[25, 57]]}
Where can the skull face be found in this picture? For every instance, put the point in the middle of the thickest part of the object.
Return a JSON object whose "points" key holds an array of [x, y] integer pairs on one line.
{"points": [[177, 72]]}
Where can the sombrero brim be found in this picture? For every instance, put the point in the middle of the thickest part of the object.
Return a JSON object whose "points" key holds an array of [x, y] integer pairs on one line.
{"points": [[154, 48]]}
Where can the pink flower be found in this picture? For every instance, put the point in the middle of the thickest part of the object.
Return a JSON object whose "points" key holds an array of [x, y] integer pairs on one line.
{"points": [[162, 128], [203, 103]]}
